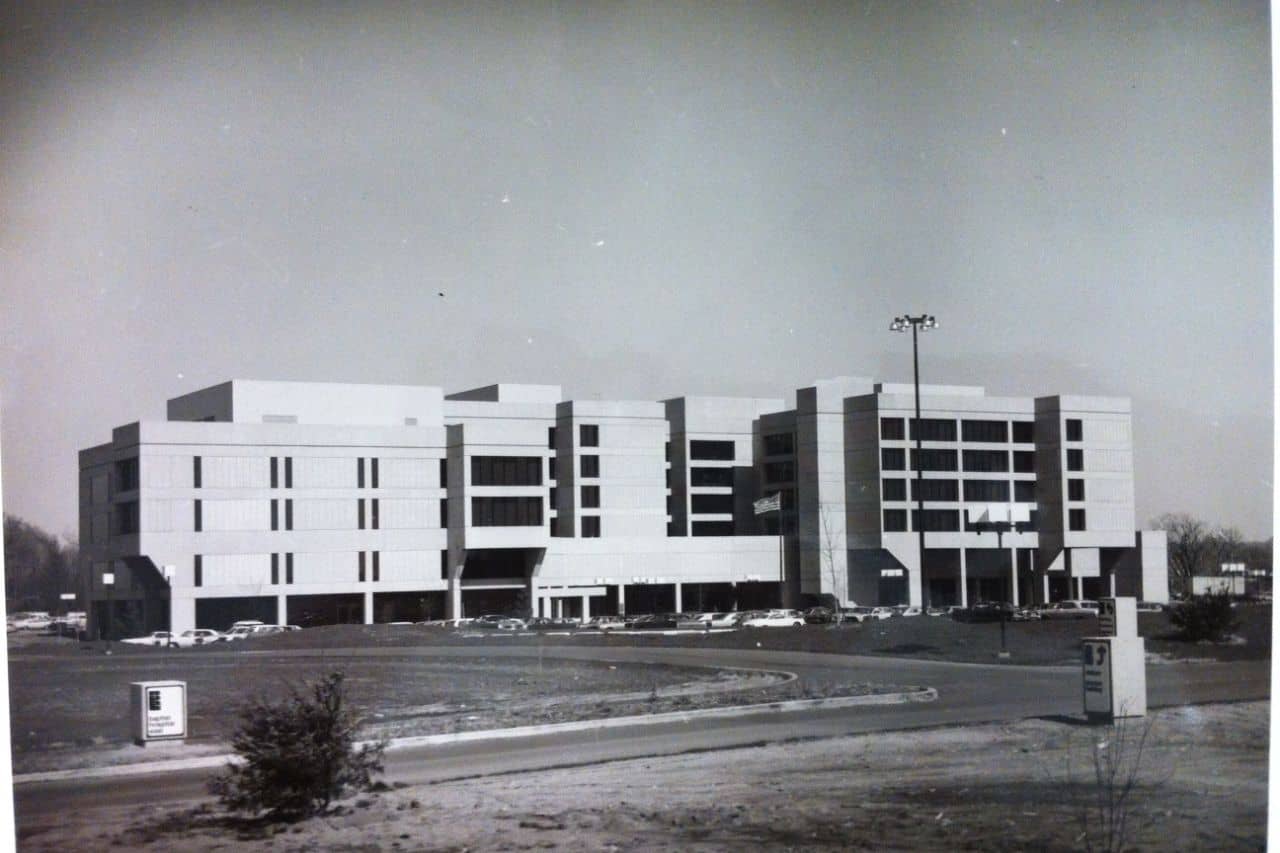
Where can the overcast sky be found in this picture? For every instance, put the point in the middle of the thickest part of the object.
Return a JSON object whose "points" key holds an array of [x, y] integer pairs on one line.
{"points": [[639, 201]]}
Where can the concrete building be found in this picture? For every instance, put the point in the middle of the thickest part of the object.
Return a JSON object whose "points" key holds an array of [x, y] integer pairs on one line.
{"points": [[310, 503]]}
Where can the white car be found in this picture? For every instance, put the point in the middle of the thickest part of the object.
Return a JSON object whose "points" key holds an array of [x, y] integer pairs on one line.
{"points": [[910, 611], [155, 638], [239, 632], [605, 623], [34, 620], [776, 619], [196, 637], [881, 613], [724, 620]]}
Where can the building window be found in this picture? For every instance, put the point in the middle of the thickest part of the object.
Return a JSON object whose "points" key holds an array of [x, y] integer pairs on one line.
{"points": [[667, 451], [986, 490], [934, 429], [444, 565], [288, 568], [288, 472], [275, 475], [892, 429], [373, 472], [988, 431], [784, 443], [1075, 490], [937, 520], [936, 490], [127, 518], [377, 569], [553, 497], [1024, 491], [666, 475], [361, 577], [288, 514], [359, 514], [588, 435], [444, 473], [1075, 519], [1024, 461], [895, 521], [195, 472], [590, 497], [778, 472], [275, 569], [893, 459], [444, 512], [893, 489], [360, 473], [711, 450], [591, 527], [506, 512], [198, 520], [551, 438], [553, 526], [1024, 432], [199, 570], [716, 476], [127, 474], [590, 466], [506, 470], [1075, 429], [711, 528], [703, 504], [373, 515], [551, 469], [275, 514], [934, 459], [1075, 459], [986, 460]]}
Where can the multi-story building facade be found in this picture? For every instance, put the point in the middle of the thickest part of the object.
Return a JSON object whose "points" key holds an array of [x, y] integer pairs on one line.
{"points": [[309, 503]]}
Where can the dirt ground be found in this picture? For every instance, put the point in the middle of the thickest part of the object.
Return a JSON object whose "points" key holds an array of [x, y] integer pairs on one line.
{"points": [[1202, 785]]}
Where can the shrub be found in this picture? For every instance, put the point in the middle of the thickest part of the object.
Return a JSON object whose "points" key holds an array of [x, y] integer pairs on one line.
{"points": [[1205, 617], [298, 754]]}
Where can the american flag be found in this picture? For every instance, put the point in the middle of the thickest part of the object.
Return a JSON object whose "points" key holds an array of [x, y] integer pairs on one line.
{"points": [[773, 503]]}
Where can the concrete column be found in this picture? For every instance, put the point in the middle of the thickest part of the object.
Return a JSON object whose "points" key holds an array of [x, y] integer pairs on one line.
{"points": [[368, 607], [182, 616], [282, 609], [1079, 587], [1111, 583], [622, 599], [586, 607], [455, 599], [1013, 575], [679, 599], [1045, 582], [964, 581]]}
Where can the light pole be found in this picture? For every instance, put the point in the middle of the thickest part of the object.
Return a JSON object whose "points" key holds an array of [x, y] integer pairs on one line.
{"points": [[918, 323]]}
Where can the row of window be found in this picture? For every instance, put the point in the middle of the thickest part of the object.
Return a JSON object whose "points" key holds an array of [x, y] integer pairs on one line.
{"points": [[941, 459], [506, 512], [588, 436], [506, 470], [780, 472], [780, 444], [369, 559], [944, 429], [948, 520]]}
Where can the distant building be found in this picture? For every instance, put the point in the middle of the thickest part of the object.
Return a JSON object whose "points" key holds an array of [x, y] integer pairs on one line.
{"points": [[316, 503]]}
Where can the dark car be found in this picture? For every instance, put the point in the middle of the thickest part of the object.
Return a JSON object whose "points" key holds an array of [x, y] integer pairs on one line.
{"points": [[819, 616], [656, 622], [985, 611]]}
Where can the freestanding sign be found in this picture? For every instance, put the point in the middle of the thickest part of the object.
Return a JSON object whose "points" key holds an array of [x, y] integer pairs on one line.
{"points": [[1115, 665], [159, 712]]}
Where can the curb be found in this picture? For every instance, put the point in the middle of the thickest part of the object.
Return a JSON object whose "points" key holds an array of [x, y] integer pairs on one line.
{"points": [[924, 694]]}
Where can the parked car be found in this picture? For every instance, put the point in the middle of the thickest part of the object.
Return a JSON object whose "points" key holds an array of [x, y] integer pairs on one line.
{"points": [[605, 623], [881, 613], [1070, 609], [1025, 614], [910, 611], [819, 616], [257, 630], [196, 637], [238, 632], [1150, 607], [155, 638], [724, 620], [984, 611], [655, 622], [775, 619], [31, 620], [938, 611]]}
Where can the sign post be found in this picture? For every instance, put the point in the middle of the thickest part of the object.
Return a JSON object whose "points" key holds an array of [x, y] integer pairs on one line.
{"points": [[1114, 664], [159, 712]]}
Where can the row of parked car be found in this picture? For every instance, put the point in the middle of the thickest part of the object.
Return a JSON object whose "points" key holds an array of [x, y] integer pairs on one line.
{"points": [[40, 620], [207, 636]]}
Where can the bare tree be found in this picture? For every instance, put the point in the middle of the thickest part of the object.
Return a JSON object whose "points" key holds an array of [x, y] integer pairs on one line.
{"points": [[1191, 546], [1227, 547], [827, 548]]}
